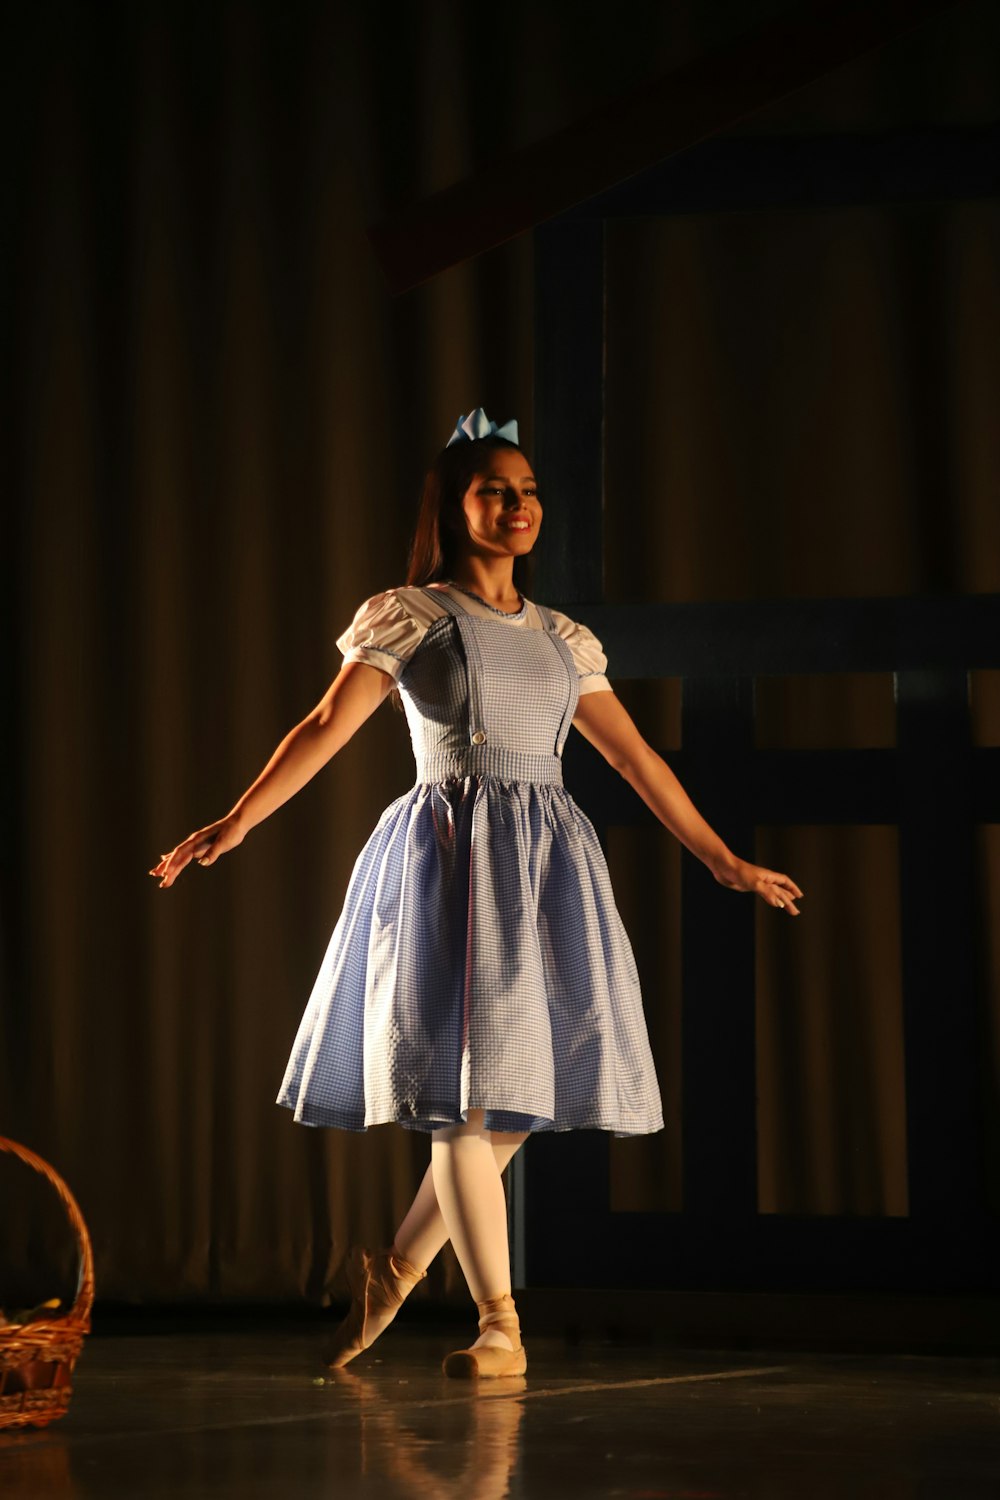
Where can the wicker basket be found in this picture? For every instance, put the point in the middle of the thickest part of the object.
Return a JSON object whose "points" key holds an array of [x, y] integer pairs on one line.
{"points": [[37, 1358]]}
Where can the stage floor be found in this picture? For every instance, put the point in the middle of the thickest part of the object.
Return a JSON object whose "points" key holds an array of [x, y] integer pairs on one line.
{"points": [[254, 1413]]}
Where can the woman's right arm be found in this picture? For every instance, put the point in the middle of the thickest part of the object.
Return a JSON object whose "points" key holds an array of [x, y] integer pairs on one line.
{"points": [[351, 698]]}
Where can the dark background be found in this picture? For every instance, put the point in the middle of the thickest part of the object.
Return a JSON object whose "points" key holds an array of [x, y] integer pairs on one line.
{"points": [[219, 421]]}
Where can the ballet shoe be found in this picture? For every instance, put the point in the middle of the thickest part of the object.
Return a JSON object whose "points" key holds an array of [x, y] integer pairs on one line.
{"points": [[380, 1281], [491, 1359]]}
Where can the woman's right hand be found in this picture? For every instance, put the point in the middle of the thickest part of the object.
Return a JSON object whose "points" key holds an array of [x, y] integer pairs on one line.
{"points": [[205, 846]]}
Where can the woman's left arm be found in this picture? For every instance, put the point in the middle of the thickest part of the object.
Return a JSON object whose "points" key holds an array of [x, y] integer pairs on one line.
{"points": [[602, 719]]}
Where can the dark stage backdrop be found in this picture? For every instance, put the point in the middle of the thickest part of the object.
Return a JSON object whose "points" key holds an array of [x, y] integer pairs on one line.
{"points": [[219, 424]]}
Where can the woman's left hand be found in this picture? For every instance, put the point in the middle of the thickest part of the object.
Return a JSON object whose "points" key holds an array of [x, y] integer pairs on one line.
{"points": [[773, 887]]}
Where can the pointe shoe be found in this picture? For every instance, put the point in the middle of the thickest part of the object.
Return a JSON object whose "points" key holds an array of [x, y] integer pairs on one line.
{"points": [[380, 1281], [491, 1359]]}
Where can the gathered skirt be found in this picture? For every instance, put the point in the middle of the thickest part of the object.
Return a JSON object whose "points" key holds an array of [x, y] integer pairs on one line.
{"points": [[479, 962]]}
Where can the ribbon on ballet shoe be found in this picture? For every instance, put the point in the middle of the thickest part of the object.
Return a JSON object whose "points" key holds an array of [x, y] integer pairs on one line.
{"points": [[500, 1313], [380, 1282], [491, 1359], [406, 1274]]}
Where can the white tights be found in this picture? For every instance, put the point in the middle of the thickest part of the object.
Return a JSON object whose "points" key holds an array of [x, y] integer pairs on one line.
{"points": [[461, 1198]]}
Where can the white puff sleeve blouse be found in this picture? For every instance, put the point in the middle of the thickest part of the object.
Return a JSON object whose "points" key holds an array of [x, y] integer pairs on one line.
{"points": [[591, 662], [382, 634], [386, 631]]}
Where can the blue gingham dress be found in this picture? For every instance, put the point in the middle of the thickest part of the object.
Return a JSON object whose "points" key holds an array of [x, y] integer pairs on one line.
{"points": [[479, 960]]}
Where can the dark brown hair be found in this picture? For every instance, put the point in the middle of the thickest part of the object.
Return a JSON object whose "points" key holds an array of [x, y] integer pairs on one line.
{"points": [[441, 522]]}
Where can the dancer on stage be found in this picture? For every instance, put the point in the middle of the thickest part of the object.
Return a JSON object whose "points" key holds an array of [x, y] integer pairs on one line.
{"points": [[479, 984]]}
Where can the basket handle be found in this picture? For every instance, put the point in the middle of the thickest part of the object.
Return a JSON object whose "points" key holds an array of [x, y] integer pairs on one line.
{"points": [[85, 1282]]}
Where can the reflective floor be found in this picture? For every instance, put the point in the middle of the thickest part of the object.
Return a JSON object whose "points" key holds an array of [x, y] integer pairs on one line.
{"points": [[255, 1413]]}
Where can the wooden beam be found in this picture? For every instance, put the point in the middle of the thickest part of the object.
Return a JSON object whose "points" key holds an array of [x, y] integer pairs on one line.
{"points": [[941, 994], [718, 1024], [629, 134], [768, 636], [738, 173]]}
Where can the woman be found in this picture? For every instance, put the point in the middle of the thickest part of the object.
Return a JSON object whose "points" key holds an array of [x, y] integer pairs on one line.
{"points": [[479, 983]]}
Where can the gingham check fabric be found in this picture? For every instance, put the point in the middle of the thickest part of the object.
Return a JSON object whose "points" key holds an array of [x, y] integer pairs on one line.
{"points": [[479, 960]]}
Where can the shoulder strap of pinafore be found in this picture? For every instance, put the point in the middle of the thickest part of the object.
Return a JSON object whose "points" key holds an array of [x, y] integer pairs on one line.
{"points": [[444, 599], [464, 627], [545, 614]]}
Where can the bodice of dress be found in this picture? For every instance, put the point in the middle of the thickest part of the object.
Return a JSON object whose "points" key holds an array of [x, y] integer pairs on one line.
{"points": [[482, 698], [484, 692]]}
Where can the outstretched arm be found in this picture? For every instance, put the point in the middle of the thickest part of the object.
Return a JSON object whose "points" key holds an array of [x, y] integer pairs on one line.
{"points": [[351, 698], [603, 719]]}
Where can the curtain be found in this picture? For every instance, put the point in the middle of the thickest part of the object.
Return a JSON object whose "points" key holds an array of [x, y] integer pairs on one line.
{"points": [[219, 429]]}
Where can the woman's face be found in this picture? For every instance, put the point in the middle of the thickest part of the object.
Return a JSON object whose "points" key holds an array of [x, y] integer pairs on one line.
{"points": [[501, 506]]}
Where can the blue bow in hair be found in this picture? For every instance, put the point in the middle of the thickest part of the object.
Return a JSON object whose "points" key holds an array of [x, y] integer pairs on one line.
{"points": [[478, 425]]}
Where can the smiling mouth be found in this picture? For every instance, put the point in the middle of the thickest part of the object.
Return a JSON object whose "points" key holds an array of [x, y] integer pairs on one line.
{"points": [[516, 525]]}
